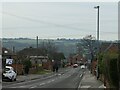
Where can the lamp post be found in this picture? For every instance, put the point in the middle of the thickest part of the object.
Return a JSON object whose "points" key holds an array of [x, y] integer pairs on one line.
{"points": [[97, 7]]}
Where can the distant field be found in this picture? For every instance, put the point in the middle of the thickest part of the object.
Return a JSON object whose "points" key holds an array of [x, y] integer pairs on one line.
{"points": [[65, 46]]}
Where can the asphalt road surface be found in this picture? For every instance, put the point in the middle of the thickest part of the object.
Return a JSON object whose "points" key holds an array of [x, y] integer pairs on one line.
{"points": [[69, 79]]}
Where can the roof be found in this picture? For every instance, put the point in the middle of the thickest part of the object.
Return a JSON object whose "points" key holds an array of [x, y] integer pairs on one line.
{"points": [[31, 52], [78, 55], [109, 47]]}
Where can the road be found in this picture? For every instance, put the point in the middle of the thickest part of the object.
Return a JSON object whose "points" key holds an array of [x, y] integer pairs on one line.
{"points": [[69, 79]]}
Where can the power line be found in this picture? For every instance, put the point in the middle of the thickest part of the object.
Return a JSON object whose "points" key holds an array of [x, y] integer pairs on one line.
{"points": [[40, 21], [49, 23]]}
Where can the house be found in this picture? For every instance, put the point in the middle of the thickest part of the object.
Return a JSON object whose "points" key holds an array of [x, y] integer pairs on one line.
{"points": [[94, 66], [38, 59], [79, 59], [41, 61]]}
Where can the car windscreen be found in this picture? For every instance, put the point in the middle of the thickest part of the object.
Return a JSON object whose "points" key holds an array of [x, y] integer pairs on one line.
{"points": [[7, 69]]}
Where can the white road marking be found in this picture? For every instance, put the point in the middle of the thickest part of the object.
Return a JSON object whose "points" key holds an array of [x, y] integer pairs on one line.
{"points": [[59, 74], [33, 87], [80, 75], [85, 86], [51, 81], [80, 82], [42, 84], [29, 81], [79, 85]]}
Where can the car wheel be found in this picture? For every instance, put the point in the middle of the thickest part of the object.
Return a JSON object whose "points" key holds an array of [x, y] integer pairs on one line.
{"points": [[12, 79], [15, 79]]}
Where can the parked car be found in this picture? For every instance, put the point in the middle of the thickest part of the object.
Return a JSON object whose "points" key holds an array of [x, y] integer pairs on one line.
{"points": [[82, 66], [75, 65], [9, 74]]}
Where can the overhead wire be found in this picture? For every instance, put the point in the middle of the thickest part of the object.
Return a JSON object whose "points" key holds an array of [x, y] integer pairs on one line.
{"points": [[49, 23]]}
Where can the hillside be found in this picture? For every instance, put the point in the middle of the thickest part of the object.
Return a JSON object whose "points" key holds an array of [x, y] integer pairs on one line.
{"points": [[67, 46]]}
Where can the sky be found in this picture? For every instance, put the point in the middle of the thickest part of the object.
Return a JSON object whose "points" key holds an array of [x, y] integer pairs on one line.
{"points": [[51, 20]]}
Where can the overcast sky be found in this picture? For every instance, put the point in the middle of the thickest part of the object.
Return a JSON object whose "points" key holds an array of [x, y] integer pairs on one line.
{"points": [[52, 20]]}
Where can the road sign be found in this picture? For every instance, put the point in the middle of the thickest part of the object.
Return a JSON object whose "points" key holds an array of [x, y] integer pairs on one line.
{"points": [[9, 61]]}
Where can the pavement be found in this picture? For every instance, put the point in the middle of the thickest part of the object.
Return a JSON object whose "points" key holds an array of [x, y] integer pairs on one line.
{"points": [[90, 81], [23, 78]]}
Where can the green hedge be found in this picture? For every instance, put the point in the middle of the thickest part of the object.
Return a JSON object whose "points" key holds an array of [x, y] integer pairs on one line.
{"points": [[108, 65]]}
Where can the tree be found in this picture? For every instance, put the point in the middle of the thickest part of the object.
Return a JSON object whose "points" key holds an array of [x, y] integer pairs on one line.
{"points": [[58, 56], [48, 48], [108, 61], [27, 64], [88, 47]]}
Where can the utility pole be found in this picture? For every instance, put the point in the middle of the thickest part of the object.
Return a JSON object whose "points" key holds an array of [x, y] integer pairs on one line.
{"points": [[97, 7], [13, 49], [37, 53], [118, 65], [37, 42]]}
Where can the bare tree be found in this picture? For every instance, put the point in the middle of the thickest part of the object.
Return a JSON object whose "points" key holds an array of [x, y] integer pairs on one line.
{"points": [[48, 48], [88, 47]]}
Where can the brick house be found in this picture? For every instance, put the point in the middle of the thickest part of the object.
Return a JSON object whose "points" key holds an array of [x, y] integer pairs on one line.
{"points": [[37, 58], [94, 66], [79, 59], [42, 61]]}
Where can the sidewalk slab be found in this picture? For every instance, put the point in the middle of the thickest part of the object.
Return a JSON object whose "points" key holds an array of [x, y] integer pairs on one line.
{"points": [[90, 81], [22, 78]]}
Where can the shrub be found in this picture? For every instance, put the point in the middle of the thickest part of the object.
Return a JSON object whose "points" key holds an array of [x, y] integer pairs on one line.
{"points": [[108, 65]]}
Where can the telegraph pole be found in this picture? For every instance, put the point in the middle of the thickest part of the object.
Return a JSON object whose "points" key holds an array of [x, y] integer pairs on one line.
{"points": [[37, 42], [37, 53], [14, 49]]}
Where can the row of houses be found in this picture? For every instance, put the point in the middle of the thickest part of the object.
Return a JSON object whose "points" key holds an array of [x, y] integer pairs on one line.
{"points": [[37, 60], [77, 58], [104, 48]]}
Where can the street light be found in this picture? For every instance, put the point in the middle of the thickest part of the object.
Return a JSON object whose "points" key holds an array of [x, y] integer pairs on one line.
{"points": [[97, 7]]}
